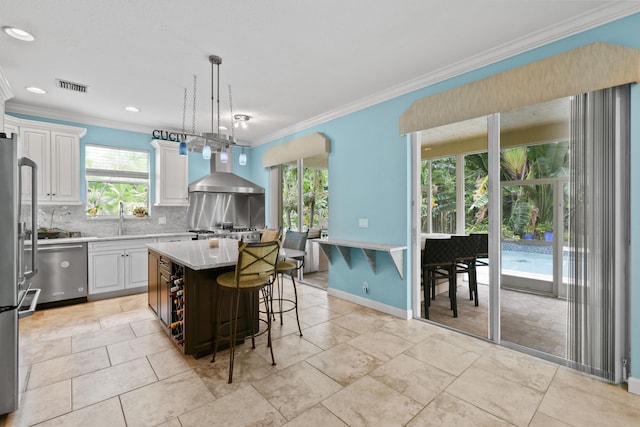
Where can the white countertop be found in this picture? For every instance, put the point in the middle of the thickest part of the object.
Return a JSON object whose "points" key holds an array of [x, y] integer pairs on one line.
{"points": [[197, 255]]}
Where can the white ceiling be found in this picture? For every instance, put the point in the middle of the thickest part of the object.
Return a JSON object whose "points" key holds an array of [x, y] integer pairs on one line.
{"points": [[290, 63]]}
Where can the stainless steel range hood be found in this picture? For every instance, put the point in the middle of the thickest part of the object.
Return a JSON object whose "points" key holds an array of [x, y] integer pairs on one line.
{"points": [[224, 197], [222, 180]]}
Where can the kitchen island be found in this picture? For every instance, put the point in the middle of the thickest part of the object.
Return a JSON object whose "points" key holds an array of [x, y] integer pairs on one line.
{"points": [[183, 290]]}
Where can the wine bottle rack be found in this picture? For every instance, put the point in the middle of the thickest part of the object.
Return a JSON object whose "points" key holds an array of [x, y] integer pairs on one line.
{"points": [[176, 293]]}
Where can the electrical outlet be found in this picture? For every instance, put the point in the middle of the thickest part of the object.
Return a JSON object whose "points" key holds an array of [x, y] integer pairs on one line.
{"points": [[365, 287], [162, 220]]}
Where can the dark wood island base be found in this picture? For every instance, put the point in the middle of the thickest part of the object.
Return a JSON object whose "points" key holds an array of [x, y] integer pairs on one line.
{"points": [[186, 302]]}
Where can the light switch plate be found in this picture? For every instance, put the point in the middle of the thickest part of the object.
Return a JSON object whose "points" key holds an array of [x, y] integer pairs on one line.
{"points": [[363, 222], [162, 220]]}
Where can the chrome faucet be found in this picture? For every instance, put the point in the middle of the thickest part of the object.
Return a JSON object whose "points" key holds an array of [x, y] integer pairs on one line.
{"points": [[120, 218]]}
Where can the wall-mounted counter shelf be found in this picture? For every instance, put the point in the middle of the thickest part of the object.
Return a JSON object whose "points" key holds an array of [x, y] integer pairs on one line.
{"points": [[368, 249]]}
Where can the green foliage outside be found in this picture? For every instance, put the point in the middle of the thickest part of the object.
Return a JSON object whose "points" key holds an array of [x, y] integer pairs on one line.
{"points": [[526, 209], [116, 175], [106, 197], [314, 197]]}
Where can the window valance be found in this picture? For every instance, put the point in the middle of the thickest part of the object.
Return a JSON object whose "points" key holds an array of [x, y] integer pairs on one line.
{"points": [[587, 68], [312, 145]]}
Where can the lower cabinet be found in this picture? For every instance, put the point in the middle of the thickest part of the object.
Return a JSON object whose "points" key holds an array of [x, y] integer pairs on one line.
{"points": [[118, 265]]}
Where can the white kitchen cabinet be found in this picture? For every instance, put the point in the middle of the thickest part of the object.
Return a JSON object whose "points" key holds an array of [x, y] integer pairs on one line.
{"points": [[172, 175], [56, 151], [118, 265]]}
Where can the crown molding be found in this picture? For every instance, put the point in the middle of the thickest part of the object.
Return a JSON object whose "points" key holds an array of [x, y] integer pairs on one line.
{"points": [[86, 120], [594, 18], [30, 110], [5, 89]]}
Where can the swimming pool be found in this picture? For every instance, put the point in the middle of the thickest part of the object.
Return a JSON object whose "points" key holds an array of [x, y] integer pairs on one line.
{"points": [[530, 259]]}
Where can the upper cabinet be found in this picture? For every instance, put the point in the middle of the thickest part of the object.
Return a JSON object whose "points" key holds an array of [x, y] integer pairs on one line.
{"points": [[172, 175], [56, 150]]}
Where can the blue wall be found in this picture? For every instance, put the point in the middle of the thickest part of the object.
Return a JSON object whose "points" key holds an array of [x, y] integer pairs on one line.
{"points": [[369, 176]]}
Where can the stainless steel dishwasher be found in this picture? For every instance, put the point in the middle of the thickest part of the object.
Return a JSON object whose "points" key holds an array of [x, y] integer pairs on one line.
{"points": [[62, 272]]}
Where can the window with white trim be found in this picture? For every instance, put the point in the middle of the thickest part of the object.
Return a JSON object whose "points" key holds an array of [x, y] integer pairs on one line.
{"points": [[116, 175]]}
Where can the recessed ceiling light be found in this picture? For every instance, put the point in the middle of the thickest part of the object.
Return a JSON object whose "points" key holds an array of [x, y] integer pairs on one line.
{"points": [[132, 109], [19, 34], [36, 90]]}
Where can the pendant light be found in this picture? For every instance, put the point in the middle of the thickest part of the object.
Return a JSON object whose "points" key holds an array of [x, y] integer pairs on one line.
{"points": [[206, 152], [182, 150], [242, 159]]}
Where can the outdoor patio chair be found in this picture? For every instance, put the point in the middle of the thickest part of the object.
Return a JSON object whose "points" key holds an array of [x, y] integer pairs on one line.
{"points": [[466, 250], [439, 261]]}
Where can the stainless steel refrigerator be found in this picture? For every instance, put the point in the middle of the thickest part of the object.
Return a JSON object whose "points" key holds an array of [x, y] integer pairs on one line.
{"points": [[18, 225]]}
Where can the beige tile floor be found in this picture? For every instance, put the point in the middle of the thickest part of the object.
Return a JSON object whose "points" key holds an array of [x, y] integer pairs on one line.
{"points": [[108, 363], [529, 320]]}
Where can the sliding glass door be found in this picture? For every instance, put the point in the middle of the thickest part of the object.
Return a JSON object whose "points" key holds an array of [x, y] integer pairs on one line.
{"points": [[454, 200], [551, 188], [305, 206]]}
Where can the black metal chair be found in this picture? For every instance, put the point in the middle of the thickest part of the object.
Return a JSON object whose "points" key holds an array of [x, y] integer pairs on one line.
{"points": [[482, 255], [466, 250], [254, 271], [439, 261], [293, 240]]}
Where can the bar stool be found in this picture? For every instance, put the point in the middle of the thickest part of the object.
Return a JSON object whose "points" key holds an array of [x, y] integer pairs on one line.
{"points": [[269, 235], [254, 271], [293, 240]]}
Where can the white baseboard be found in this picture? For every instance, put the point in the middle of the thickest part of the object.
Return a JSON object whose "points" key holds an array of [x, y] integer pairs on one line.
{"points": [[375, 305], [633, 385]]}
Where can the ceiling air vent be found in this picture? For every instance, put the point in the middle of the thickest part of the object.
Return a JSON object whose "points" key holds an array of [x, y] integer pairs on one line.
{"points": [[75, 87]]}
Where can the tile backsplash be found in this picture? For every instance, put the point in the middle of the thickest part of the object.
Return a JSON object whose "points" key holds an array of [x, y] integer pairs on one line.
{"points": [[75, 218]]}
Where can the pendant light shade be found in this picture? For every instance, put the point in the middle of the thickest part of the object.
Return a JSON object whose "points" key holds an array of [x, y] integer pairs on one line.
{"points": [[206, 152], [183, 149], [224, 156], [242, 159]]}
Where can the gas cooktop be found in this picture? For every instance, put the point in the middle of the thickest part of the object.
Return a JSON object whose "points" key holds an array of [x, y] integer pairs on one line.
{"points": [[238, 233]]}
